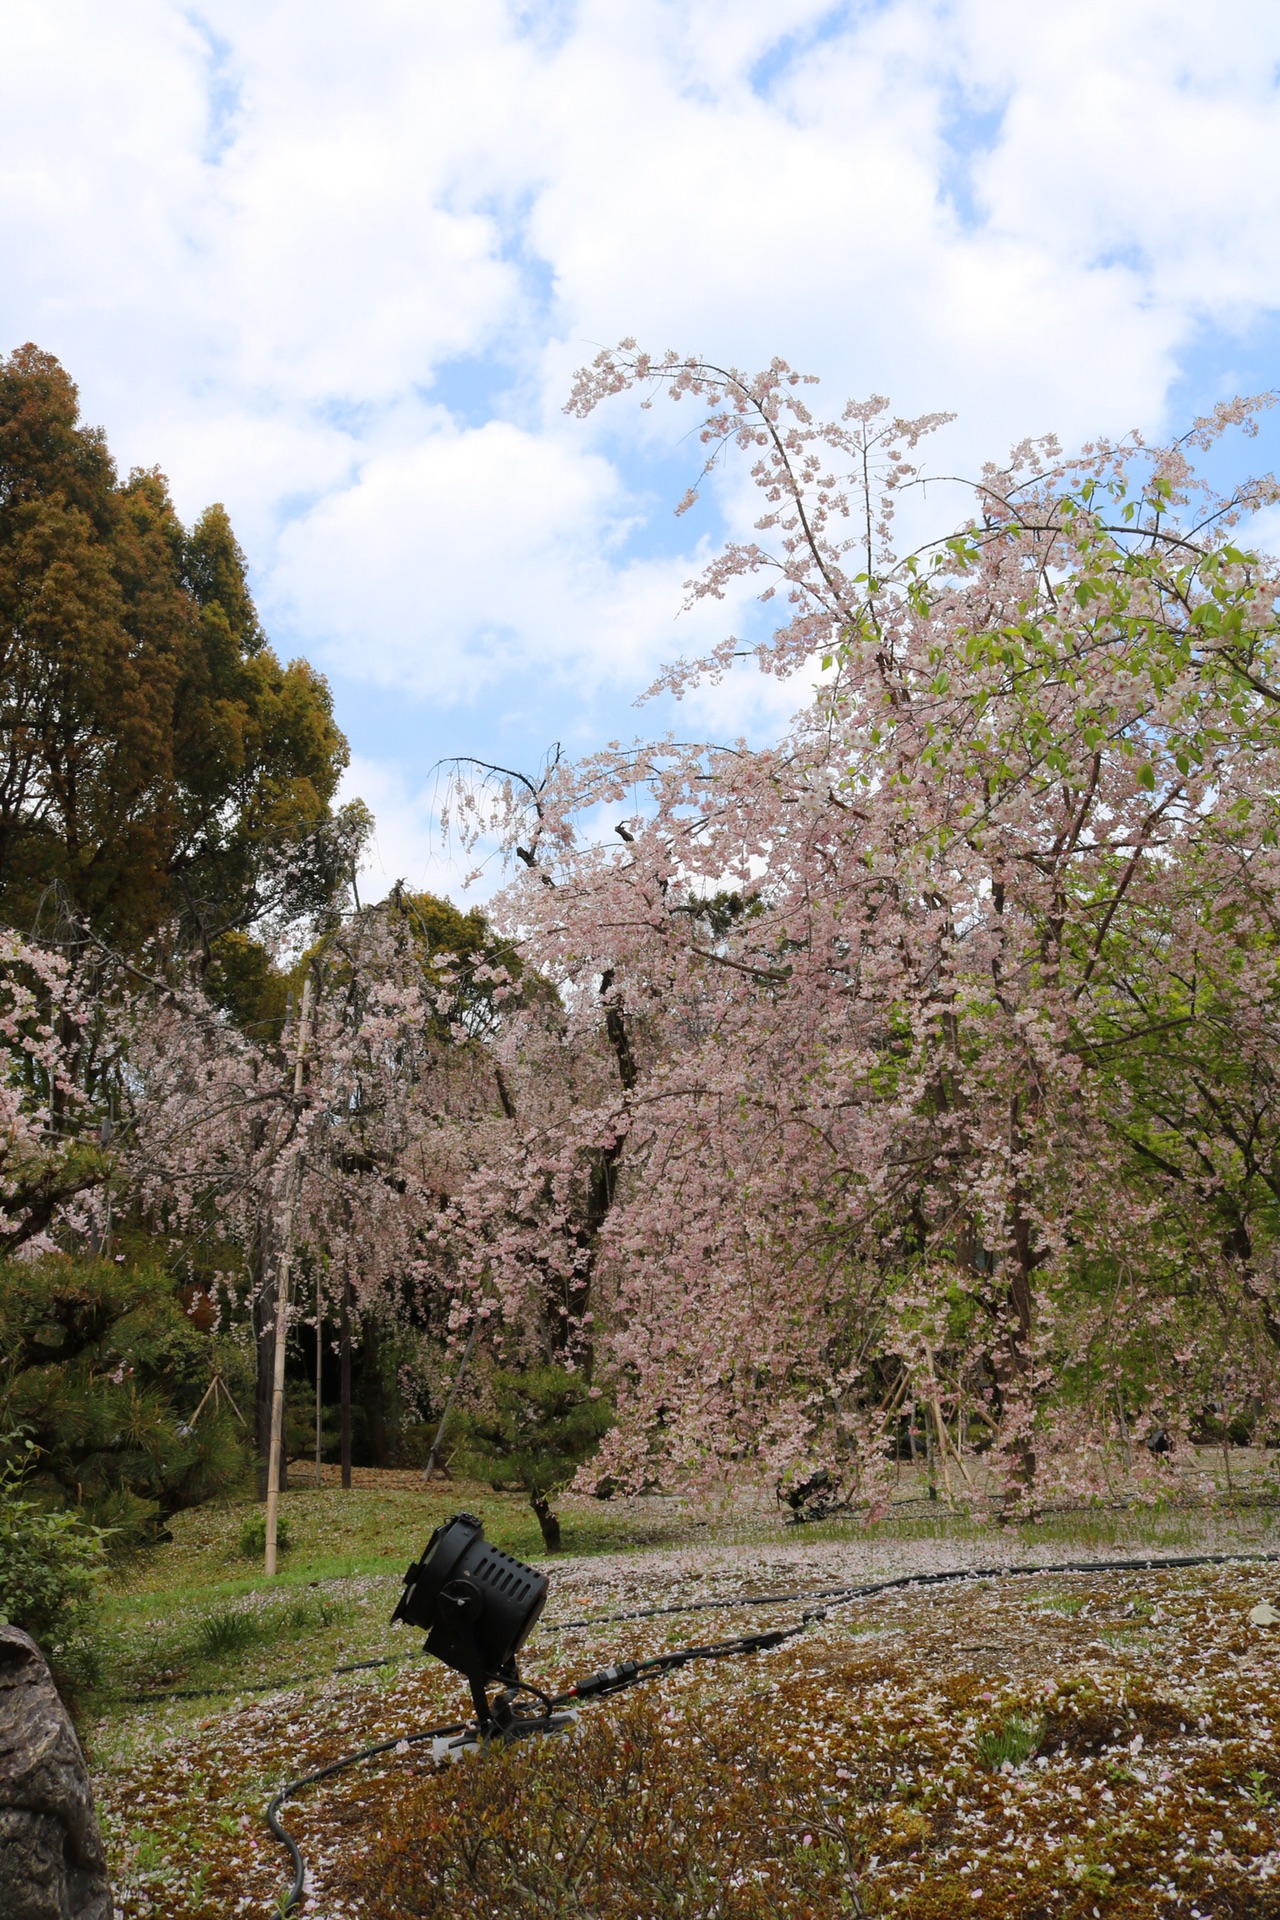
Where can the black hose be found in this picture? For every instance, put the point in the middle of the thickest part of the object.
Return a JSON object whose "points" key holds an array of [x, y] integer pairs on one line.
{"points": [[834, 1594], [911, 1580], [630, 1672]]}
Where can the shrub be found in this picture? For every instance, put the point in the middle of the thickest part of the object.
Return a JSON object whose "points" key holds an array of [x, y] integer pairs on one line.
{"points": [[253, 1534], [537, 1428], [633, 1818], [50, 1566]]}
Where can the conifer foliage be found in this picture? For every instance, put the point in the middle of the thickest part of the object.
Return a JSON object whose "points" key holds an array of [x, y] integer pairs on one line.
{"points": [[157, 762], [101, 1371], [533, 1430]]}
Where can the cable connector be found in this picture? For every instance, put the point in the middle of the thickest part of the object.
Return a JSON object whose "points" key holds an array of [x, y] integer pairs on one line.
{"points": [[608, 1680]]}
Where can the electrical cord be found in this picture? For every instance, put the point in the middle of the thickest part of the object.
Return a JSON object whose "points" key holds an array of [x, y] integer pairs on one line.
{"points": [[835, 1594], [526, 1686], [614, 1679], [291, 1899], [912, 1580], [629, 1673]]}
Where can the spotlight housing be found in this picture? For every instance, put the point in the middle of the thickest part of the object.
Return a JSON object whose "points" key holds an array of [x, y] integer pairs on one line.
{"points": [[477, 1606]]}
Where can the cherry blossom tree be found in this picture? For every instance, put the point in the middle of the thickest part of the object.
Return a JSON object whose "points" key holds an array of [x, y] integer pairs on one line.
{"points": [[329, 1155], [920, 1067], [948, 1023], [56, 1058]]}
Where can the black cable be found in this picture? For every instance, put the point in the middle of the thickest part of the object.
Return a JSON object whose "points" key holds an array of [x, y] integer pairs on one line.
{"points": [[911, 1580], [287, 1792], [694, 1606], [527, 1686], [629, 1672], [614, 1679], [835, 1594]]}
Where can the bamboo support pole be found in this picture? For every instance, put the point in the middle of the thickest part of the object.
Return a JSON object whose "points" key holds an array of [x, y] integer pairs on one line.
{"points": [[319, 1365], [945, 1443], [275, 1453]]}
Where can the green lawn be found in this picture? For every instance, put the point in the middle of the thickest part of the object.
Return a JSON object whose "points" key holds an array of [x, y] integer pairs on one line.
{"points": [[333, 1596], [337, 1583]]}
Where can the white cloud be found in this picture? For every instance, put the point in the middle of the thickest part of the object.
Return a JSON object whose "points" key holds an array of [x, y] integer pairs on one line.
{"points": [[407, 844], [258, 235], [456, 564]]}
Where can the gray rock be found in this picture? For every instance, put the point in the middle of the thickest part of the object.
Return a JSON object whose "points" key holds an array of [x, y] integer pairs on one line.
{"points": [[52, 1862]]}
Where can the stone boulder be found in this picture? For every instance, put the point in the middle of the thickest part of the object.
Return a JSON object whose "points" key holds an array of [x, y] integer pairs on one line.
{"points": [[52, 1863]]}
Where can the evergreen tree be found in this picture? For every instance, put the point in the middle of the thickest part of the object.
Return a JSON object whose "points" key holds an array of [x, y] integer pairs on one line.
{"points": [[156, 759], [538, 1426], [101, 1372]]}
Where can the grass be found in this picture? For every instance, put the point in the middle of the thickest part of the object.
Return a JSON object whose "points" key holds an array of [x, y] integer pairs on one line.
{"points": [[1011, 1744], [226, 1632], [191, 1613], [1069, 1604], [354, 1548], [337, 1535]]}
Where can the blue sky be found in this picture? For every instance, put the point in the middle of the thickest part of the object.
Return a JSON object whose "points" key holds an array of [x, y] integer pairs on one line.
{"points": [[335, 266]]}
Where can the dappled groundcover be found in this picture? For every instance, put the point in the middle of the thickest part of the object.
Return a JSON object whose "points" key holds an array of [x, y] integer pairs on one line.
{"points": [[1068, 1747], [1018, 1751]]}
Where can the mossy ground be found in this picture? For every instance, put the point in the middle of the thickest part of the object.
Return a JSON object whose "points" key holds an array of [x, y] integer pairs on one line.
{"points": [[1023, 1747]]}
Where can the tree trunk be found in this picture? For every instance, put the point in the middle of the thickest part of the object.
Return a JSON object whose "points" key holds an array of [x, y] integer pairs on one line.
{"points": [[371, 1390], [1013, 1364], [547, 1521], [344, 1380], [602, 1189], [1237, 1245]]}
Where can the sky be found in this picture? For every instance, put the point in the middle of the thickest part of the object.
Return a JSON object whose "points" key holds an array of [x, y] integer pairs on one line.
{"points": [[335, 265]]}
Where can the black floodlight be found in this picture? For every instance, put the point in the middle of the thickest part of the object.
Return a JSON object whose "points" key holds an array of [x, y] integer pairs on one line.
{"points": [[477, 1606]]}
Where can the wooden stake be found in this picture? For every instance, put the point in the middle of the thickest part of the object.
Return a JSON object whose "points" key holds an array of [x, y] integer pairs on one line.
{"points": [[217, 1390], [945, 1442], [274, 1458]]}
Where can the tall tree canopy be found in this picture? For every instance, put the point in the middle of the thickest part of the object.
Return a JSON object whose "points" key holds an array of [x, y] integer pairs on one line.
{"points": [[950, 1023], [156, 759]]}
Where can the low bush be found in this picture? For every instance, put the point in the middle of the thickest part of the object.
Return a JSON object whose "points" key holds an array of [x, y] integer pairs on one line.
{"points": [[50, 1565], [253, 1534], [610, 1822]]}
